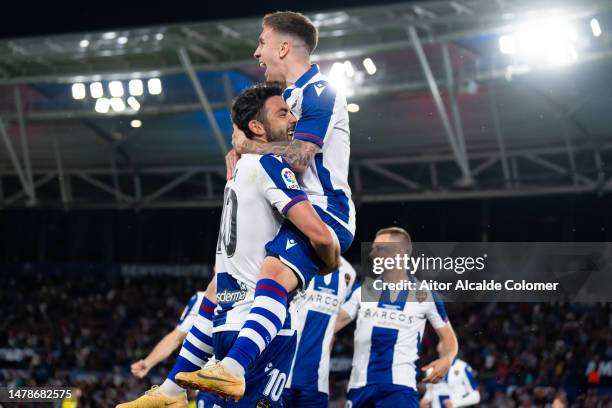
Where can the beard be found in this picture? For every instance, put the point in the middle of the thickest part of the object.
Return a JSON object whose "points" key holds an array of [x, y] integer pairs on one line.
{"points": [[278, 135]]}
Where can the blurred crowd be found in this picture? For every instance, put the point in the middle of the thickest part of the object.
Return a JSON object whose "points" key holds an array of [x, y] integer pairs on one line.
{"points": [[84, 330]]}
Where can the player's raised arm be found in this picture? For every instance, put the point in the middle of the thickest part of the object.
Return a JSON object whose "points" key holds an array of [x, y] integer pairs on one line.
{"points": [[298, 153], [309, 135]]}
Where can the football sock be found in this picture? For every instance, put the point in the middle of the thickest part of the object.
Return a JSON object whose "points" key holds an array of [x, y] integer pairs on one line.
{"points": [[263, 322]]}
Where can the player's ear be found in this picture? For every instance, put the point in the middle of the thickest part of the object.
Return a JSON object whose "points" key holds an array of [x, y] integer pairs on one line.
{"points": [[256, 127], [283, 49]]}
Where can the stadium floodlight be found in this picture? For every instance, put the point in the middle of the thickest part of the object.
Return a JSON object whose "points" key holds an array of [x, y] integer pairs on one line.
{"points": [[109, 36], [116, 89], [348, 68], [135, 87], [136, 123], [84, 43], [595, 27], [78, 91], [548, 40], [336, 74], [507, 44], [96, 90], [369, 66], [155, 86], [352, 107], [117, 104], [122, 40], [134, 104], [159, 36], [102, 105]]}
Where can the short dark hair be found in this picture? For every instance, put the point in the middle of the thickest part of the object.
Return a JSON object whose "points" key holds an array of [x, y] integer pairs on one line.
{"points": [[294, 24], [250, 104]]}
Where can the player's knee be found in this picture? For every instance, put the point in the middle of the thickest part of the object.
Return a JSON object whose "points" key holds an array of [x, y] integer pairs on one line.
{"points": [[274, 269]]}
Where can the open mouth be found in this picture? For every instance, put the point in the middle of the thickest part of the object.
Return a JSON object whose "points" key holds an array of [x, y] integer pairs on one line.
{"points": [[290, 133]]}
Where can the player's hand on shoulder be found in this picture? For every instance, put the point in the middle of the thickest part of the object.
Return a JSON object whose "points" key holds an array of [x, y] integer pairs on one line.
{"points": [[140, 369], [448, 403], [436, 370]]}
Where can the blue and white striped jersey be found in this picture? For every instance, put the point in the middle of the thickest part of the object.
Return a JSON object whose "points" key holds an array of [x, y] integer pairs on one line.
{"points": [[190, 312], [388, 335], [318, 307], [462, 384], [323, 119], [436, 394], [459, 385], [261, 192]]}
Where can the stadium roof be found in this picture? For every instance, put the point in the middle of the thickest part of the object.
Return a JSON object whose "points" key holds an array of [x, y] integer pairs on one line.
{"points": [[446, 114]]}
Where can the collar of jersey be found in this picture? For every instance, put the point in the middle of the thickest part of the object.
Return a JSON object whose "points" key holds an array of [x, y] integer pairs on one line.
{"points": [[307, 76]]}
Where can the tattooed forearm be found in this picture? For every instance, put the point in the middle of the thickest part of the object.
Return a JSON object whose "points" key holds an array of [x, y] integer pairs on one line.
{"points": [[278, 148], [297, 152]]}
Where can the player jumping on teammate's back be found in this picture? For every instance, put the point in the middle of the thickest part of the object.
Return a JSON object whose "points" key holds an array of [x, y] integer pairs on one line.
{"points": [[388, 335], [319, 151], [263, 187]]}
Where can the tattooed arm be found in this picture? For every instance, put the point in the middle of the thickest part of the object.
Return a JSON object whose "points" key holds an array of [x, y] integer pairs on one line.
{"points": [[298, 153]]}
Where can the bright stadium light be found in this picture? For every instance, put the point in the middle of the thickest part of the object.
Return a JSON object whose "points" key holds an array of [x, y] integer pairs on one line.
{"points": [[159, 36], [507, 44], [122, 40], [84, 43], [595, 27], [352, 107], [136, 123], [96, 90], [155, 86], [117, 104], [78, 91], [550, 41], [348, 68], [369, 66], [135, 87], [133, 102], [102, 105], [116, 89], [109, 36], [336, 74]]}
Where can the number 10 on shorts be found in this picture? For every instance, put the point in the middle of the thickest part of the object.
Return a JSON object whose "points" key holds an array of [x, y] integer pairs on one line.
{"points": [[275, 385]]}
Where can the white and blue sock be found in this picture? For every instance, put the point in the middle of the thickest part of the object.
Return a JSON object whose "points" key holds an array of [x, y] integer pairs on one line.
{"points": [[196, 350], [262, 324]]}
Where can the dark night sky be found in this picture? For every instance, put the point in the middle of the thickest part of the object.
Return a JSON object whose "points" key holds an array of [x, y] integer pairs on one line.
{"points": [[28, 18]]}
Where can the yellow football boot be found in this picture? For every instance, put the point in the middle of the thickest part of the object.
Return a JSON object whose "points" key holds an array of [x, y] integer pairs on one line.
{"points": [[154, 398], [215, 379]]}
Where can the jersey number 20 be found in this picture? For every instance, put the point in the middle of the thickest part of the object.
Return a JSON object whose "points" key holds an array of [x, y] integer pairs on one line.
{"points": [[227, 229]]}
